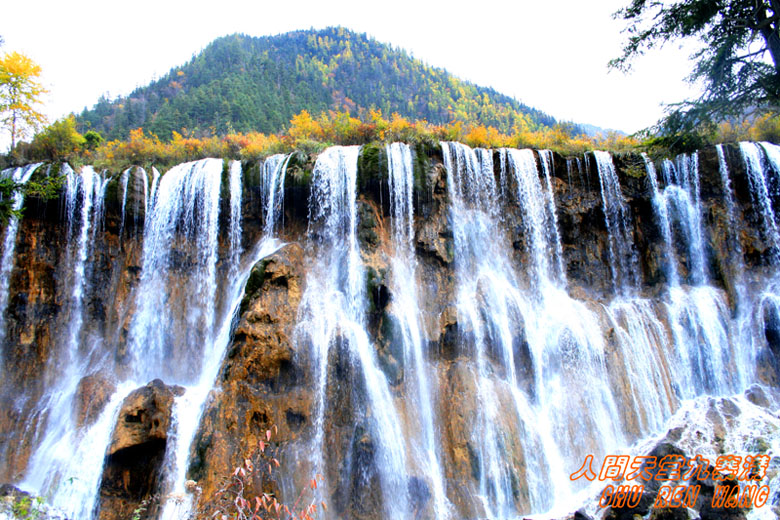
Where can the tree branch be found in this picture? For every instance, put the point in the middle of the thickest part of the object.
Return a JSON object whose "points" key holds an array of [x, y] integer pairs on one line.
{"points": [[762, 50]]}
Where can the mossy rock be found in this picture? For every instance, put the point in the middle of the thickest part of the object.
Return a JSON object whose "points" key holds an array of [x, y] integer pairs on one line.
{"points": [[253, 284], [372, 165], [367, 225], [252, 172], [390, 349], [758, 445], [299, 170], [422, 161], [375, 281], [224, 186]]}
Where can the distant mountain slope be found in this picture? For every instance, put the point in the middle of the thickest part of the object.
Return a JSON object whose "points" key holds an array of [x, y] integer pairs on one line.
{"points": [[244, 83]]}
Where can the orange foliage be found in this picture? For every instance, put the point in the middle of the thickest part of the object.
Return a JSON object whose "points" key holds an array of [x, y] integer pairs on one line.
{"points": [[310, 134], [762, 128]]}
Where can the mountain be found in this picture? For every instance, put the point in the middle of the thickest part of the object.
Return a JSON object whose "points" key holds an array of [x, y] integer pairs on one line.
{"points": [[242, 83]]}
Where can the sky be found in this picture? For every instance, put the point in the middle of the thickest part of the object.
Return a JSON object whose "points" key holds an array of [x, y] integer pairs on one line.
{"points": [[551, 55]]}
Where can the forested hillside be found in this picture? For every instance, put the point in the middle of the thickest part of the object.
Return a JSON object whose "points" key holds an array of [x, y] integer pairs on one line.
{"points": [[241, 83]]}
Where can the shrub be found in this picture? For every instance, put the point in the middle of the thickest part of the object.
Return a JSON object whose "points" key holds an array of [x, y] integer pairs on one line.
{"points": [[234, 501], [57, 142]]}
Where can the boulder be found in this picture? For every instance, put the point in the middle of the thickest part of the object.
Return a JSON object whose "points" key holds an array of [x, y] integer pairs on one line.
{"points": [[132, 467]]}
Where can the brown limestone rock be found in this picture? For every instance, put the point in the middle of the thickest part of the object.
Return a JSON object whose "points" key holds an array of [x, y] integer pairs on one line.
{"points": [[30, 340], [434, 233], [261, 384], [457, 451], [92, 394], [131, 469], [262, 344]]}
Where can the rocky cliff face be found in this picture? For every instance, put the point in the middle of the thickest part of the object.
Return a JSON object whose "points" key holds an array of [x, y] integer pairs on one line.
{"points": [[523, 369]]}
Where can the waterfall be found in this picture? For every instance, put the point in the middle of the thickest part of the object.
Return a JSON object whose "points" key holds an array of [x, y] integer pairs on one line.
{"points": [[541, 224], [683, 209], [757, 173], [234, 233], [150, 195], [764, 180], [557, 339], [55, 458], [274, 169], [735, 252], [642, 342], [164, 339], [124, 179], [546, 158], [72, 478], [472, 191], [698, 313], [332, 316], [660, 204], [128, 179], [622, 259], [407, 312], [488, 372], [188, 408], [19, 176], [91, 189], [182, 205]]}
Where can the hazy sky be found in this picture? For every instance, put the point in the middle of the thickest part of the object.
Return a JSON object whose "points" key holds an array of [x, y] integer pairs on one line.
{"points": [[550, 55]]}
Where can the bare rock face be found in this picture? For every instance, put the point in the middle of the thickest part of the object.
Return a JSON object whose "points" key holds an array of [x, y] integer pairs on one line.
{"points": [[434, 236], [32, 316], [133, 461]]}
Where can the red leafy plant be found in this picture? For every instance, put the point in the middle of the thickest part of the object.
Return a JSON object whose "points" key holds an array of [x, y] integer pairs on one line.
{"points": [[234, 501]]}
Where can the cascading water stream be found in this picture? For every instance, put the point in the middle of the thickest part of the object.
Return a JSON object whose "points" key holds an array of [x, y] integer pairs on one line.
{"points": [[755, 160], [643, 346], [407, 311], [698, 313], [21, 176], [234, 233], [55, 458], [186, 194], [660, 207], [745, 348], [555, 336], [540, 224], [554, 324], [735, 253], [622, 258], [150, 198], [166, 340], [683, 209], [546, 158], [332, 315], [91, 188], [274, 169], [762, 166], [472, 193], [124, 179], [188, 409]]}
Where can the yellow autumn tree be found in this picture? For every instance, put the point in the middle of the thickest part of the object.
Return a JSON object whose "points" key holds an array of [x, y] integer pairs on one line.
{"points": [[303, 126], [20, 93]]}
